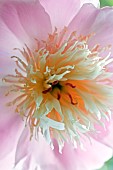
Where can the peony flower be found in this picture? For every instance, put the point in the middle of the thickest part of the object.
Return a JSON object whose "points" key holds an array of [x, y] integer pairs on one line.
{"points": [[56, 84]]}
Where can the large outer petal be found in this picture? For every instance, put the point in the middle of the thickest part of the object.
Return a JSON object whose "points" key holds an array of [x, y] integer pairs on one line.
{"points": [[94, 2], [92, 20], [108, 139], [26, 19], [89, 158], [70, 159], [7, 43], [20, 23], [10, 125], [8, 162], [39, 151], [105, 135], [61, 12], [19, 0]]}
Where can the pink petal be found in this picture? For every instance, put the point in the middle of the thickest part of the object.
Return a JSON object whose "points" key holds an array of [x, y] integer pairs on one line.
{"points": [[50, 167], [20, 23], [61, 12], [39, 151], [83, 21], [18, 0], [11, 23], [8, 162], [91, 158], [7, 38], [22, 146], [8, 42], [10, 126], [26, 20], [26, 164], [92, 20], [108, 140], [106, 135], [7, 65]]}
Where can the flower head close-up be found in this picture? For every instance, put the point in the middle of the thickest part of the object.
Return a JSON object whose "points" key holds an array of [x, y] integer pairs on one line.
{"points": [[56, 87]]}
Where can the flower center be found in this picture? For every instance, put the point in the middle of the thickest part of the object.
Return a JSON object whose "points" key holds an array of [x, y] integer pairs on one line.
{"points": [[62, 87]]}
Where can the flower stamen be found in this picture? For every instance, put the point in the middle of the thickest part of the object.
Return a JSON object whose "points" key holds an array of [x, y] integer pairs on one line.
{"points": [[62, 86]]}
